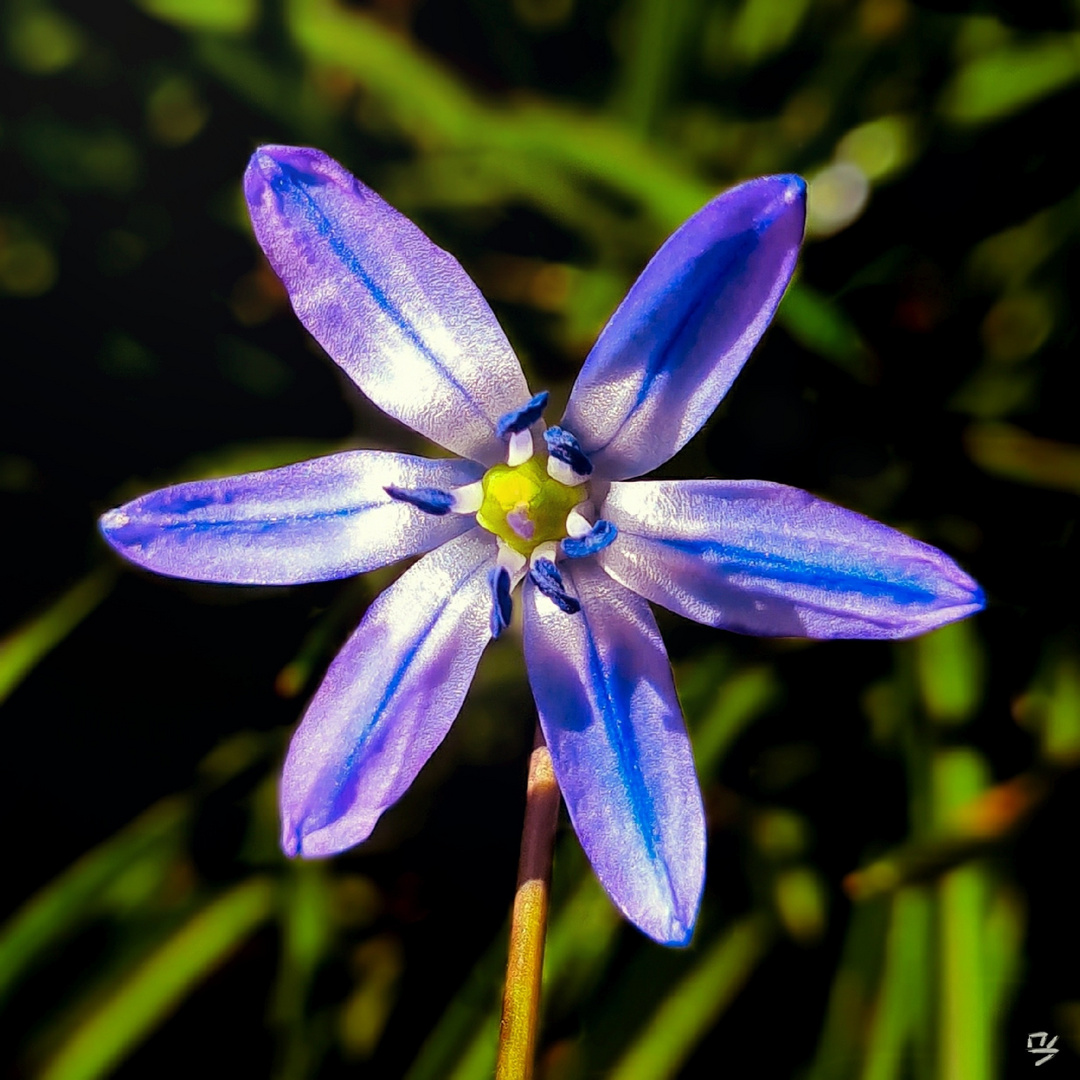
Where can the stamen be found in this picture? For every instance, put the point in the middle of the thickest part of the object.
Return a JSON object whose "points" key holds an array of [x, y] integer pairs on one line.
{"points": [[546, 577], [567, 462], [549, 551], [501, 605], [430, 500], [521, 448], [467, 499], [596, 539], [522, 419], [513, 562], [577, 525]]}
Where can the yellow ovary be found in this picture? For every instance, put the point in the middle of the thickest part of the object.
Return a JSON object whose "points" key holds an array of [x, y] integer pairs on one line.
{"points": [[525, 507]]}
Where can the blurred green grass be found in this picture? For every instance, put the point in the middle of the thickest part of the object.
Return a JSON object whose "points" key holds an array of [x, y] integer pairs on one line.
{"points": [[870, 807]]}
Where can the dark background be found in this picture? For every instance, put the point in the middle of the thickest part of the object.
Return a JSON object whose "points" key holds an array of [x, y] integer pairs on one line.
{"points": [[917, 372]]}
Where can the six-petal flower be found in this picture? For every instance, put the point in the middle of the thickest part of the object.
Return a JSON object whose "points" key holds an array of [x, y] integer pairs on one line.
{"points": [[546, 507]]}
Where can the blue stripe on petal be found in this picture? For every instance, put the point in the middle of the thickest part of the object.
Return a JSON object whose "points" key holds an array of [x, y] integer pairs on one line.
{"points": [[312, 521], [718, 264], [767, 559], [674, 346], [388, 699], [611, 720], [396, 312], [867, 579], [612, 693], [297, 186], [334, 804]]}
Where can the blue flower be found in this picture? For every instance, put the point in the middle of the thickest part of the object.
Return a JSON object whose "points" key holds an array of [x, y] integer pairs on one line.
{"points": [[547, 508]]}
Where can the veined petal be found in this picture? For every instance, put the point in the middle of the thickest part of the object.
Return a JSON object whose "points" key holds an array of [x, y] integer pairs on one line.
{"points": [[608, 709], [388, 699], [767, 559], [313, 521], [676, 343], [399, 314]]}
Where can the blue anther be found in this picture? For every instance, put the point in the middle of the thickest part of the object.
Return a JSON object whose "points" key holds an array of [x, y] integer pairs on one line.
{"points": [[501, 605], [564, 447], [521, 419], [546, 577], [430, 500], [596, 539]]}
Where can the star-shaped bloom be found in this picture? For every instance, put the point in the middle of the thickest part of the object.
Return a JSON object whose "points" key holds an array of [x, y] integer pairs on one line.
{"points": [[547, 508]]}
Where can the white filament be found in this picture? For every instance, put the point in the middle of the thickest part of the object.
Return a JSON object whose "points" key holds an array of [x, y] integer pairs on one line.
{"points": [[521, 448], [467, 499]]}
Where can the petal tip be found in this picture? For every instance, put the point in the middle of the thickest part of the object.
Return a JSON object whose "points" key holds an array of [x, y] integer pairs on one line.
{"points": [[126, 534], [291, 841], [263, 161], [112, 520], [669, 924], [794, 187], [967, 598], [262, 168], [787, 201], [677, 935], [280, 168], [268, 159], [306, 841], [948, 612]]}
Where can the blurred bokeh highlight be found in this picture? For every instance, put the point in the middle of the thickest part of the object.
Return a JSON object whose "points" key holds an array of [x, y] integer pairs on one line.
{"points": [[891, 893]]}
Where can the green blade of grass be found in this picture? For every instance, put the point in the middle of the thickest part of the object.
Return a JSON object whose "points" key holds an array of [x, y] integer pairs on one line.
{"points": [[949, 668], [1059, 711], [462, 1043], [820, 325], [1004, 944], [695, 1003], [847, 1015], [737, 701], [305, 937], [763, 28], [653, 61], [1013, 454], [437, 110], [964, 1048], [134, 1008], [1011, 78], [67, 902], [905, 991], [24, 648], [215, 16]]}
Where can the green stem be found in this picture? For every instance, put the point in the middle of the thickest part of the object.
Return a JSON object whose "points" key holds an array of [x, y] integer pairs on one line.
{"points": [[524, 965]]}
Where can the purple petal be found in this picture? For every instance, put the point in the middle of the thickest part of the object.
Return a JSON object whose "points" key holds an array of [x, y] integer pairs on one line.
{"points": [[767, 559], [388, 699], [312, 521], [396, 312], [609, 713], [676, 343]]}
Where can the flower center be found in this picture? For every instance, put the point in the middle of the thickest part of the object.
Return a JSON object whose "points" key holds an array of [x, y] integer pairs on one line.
{"points": [[525, 507]]}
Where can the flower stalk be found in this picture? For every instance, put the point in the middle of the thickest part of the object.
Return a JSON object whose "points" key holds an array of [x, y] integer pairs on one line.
{"points": [[528, 924]]}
